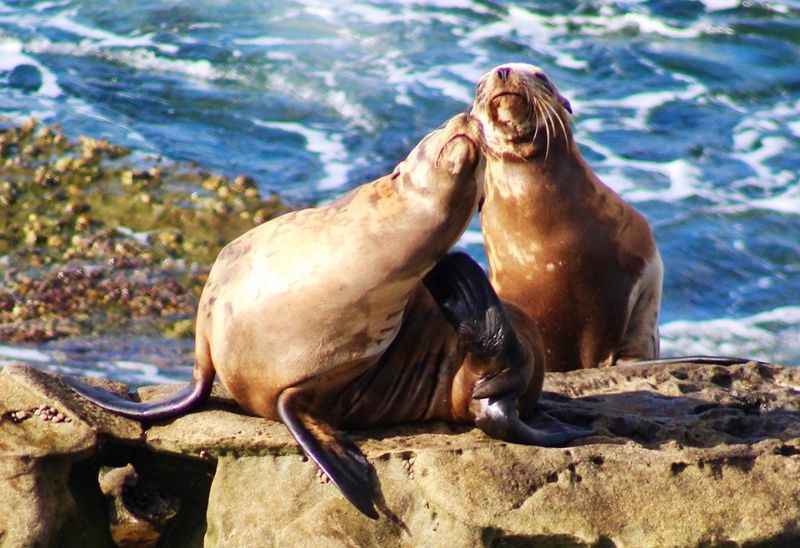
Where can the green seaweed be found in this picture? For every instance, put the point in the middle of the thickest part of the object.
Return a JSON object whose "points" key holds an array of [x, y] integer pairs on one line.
{"points": [[94, 239]]}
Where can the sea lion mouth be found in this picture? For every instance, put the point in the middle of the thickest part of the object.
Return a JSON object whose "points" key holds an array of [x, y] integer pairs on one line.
{"points": [[511, 110], [504, 93]]}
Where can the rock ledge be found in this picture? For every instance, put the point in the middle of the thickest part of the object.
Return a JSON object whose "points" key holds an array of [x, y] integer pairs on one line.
{"points": [[686, 455]]}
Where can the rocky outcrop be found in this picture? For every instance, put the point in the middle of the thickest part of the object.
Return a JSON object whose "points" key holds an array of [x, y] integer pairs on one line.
{"points": [[685, 455]]}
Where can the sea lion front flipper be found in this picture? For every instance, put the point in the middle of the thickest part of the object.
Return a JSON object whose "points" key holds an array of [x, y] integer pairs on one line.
{"points": [[340, 459], [500, 419]]}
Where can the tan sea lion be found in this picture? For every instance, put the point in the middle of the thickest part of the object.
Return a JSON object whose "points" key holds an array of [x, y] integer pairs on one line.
{"points": [[351, 315], [562, 246]]}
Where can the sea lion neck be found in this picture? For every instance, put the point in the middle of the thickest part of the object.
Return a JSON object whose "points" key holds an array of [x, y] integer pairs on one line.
{"points": [[560, 178]]}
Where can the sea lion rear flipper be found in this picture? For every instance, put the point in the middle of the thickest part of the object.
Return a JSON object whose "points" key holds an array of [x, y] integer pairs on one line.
{"points": [[340, 459], [500, 419], [183, 400]]}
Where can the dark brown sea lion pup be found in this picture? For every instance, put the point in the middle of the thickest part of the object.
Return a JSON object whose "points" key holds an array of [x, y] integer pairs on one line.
{"points": [[352, 315], [563, 246]]}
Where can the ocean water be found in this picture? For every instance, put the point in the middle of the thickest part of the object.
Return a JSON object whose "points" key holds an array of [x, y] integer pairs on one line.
{"points": [[689, 109]]}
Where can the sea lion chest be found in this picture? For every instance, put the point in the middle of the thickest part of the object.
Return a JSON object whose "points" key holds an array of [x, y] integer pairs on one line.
{"points": [[562, 256]]}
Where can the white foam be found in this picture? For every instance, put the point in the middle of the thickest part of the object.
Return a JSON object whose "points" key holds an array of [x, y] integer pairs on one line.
{"points": [[773, 335], [11, 56], [138, 58], [545, 27], [517, 22], [643, 103], [140, 372], [685, 179], [470, 5], [759, 138], [12, 353], [377, 14], [63, 21], [566, 60], [44, 6], [470, 237], [279, 56], [745, 139], [784, 202], [449, 88], [147, 60], [271, 41], [203, 26], [590, 125], [770, 147], [720, 5], [329, 148]]}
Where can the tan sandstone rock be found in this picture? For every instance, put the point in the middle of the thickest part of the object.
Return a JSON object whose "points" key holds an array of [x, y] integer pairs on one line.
{"points": [[44, 429], [685, 455]]}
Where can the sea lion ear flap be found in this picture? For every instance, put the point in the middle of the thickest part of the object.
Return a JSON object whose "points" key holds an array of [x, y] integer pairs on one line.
{"points": [[565, 103]]}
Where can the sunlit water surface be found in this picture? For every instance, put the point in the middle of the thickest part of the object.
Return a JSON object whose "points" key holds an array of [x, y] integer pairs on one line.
{"points": [[690, 110]]}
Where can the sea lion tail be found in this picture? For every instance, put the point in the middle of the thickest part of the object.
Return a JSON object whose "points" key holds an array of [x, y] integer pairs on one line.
{"points": [[188, 397]]}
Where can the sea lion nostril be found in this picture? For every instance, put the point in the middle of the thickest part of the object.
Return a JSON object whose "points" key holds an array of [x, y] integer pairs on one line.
{"points": [[503, 73]]}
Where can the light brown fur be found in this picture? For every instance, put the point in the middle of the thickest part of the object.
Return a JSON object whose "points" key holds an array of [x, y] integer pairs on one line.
{"points": [[315, 298]]}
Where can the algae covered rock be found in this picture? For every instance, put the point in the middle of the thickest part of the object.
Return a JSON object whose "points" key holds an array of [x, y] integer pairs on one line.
{"points": [[94, 239]]}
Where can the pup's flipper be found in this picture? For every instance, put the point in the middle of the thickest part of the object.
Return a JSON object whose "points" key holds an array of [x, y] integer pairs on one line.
{"points": [[469, 303], [500, 419]]}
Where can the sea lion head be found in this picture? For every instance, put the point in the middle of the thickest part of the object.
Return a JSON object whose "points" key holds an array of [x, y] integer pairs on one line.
{"points": [[522, 112], [446, 159]]}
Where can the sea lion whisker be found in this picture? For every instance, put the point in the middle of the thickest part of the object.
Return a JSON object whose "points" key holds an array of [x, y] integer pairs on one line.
{"points": [[557, 117], [546, 118], [539, 113], [534, 105], [550, 115], [528, 101]]}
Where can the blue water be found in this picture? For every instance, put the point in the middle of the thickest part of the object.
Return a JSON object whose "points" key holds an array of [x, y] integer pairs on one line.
{"points": [[691, 110]]}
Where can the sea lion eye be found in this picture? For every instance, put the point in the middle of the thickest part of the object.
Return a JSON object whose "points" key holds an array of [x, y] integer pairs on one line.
{"points": [[542, 77]]}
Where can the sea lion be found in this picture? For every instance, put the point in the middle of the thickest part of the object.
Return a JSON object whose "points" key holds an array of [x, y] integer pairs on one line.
{"points": [[351, 315], [562, 246]]}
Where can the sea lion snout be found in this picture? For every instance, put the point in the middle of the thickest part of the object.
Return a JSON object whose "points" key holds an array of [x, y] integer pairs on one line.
{"points": [[459, 152]]}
